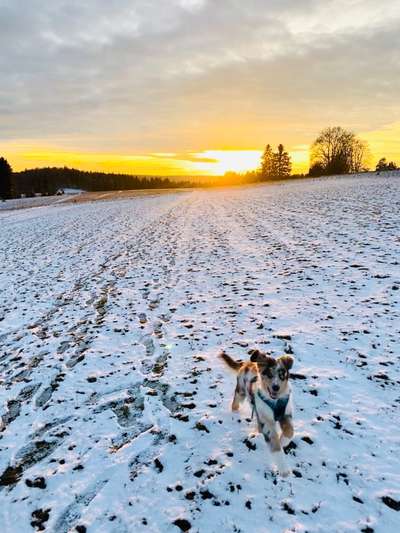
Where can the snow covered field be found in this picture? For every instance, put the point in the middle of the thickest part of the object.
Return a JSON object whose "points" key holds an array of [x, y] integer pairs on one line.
{"points": [[77, 197], [114, 406], [38, 201]]}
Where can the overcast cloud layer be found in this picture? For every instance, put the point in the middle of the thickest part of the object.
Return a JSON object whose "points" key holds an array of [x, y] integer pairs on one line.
{"points": [[175, 75]]}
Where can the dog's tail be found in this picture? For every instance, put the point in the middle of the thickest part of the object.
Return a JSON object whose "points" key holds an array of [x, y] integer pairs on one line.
{"points": [[234, 365]]}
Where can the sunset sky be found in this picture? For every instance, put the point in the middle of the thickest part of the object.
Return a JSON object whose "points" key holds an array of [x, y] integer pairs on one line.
{"points": [[176, 87]]}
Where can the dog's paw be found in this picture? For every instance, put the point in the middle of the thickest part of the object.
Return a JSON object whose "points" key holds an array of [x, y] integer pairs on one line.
{"points": [[280, 463]]}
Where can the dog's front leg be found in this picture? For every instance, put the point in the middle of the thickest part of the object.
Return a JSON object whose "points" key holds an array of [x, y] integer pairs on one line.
{"points": [[287, 430], [277, 454], [272, 438]]}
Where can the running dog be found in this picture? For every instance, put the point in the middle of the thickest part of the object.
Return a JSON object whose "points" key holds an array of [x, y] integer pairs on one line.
{"points": [[264, 381]]}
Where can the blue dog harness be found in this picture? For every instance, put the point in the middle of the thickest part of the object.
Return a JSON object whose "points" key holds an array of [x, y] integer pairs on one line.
{"points": [[278, 407]]}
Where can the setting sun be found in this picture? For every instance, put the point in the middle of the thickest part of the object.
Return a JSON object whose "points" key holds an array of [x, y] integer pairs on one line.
{"points": [[230, 160]]}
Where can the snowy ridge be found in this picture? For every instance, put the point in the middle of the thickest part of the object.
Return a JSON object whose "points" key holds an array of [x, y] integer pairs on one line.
{"points": [[114, 406]]}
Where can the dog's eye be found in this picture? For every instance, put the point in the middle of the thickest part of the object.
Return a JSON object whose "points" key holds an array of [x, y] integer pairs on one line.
{"points": [[267, 373], [282, 375]]}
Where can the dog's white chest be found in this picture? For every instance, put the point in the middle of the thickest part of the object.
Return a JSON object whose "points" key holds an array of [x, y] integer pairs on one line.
{"points": [[272, 410]]}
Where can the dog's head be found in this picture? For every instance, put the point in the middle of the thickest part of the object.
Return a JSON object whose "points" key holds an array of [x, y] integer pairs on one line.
{"points": [[274, 373]]}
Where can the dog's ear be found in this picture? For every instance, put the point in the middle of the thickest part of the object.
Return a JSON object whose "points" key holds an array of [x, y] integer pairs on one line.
{"points": [[261, 358], [287, 361], [253, 352], [256, 356]]}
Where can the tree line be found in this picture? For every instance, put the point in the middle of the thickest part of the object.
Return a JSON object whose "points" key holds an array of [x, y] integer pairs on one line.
{"points": [[50, 180], [383, 165], [334, 151]]}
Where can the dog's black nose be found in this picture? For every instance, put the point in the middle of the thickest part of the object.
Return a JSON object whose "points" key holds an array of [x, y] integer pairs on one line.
{"points": [[275, 388]]}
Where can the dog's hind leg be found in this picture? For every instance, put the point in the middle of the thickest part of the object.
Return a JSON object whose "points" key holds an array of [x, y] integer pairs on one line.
{"points": [[238, 397]]}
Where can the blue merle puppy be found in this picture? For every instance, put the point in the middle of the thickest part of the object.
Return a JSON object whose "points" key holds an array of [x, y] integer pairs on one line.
{"points": [[264, 382]]}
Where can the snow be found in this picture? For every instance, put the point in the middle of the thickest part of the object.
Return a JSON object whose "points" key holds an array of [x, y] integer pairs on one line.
{"points": [[35, 201], [112, 315], [72, 191]]}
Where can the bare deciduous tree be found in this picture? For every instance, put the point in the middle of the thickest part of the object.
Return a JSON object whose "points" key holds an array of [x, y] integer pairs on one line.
{"points": [[338, 151], [360, 155]]}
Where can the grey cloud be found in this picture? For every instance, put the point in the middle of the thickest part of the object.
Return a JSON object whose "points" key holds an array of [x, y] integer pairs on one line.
{"points": [[160, 74]]}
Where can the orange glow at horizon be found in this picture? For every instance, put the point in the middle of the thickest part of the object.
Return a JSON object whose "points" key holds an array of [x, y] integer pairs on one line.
{"points": [[22, 154], [203, 163]]}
